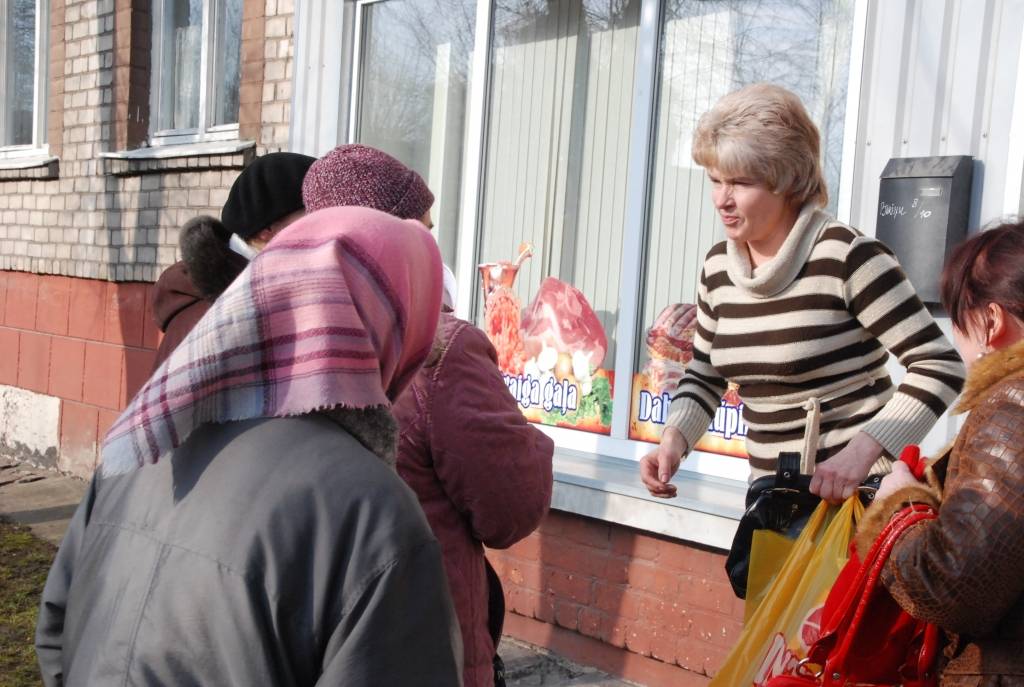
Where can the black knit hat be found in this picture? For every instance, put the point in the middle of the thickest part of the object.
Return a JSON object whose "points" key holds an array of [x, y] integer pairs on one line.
{"points": [[267, 190]]}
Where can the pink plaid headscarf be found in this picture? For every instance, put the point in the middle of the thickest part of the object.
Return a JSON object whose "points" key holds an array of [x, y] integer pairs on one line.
{"points": [[339, 310]]}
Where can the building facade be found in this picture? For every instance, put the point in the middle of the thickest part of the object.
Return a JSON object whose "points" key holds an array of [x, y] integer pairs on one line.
{"points": [[562, 125]]}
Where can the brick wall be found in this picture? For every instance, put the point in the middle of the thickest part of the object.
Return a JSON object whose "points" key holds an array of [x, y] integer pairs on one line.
{"points": [[89, 343], [114, 221], [667, 603], [278, 52]]}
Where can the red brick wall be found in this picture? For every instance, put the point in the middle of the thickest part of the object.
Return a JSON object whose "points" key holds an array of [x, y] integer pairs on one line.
{"points": [[250, 93], [89, 343], [621, 590], [133, 40]]}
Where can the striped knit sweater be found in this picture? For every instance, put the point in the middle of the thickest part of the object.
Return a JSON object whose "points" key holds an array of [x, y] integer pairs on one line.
{"points": [[817, 321]]}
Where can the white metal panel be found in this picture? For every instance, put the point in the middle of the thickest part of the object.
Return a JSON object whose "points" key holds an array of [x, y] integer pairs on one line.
{"points": [[1014, 203], [472, 160], [962, 106], [320, 75], [1004, 57], [940, 78], [926, 79], [888, 26]]}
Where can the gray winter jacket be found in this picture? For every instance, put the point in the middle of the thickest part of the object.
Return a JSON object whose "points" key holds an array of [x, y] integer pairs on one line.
{"points": [[266, 552]]}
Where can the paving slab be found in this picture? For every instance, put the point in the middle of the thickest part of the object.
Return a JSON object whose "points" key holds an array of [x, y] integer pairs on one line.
{"points": [[41, 499], [532, 666]]}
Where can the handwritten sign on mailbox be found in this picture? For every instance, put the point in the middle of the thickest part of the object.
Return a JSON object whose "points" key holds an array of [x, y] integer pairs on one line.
{"points": [[923, 206]]}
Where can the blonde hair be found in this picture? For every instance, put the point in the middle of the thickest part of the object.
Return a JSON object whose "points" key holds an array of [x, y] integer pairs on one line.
{"points": [[763, 131]]}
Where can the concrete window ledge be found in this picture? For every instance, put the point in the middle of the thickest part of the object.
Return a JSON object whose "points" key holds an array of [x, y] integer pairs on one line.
{"points": [[190, 157], [29, 168], [706, 510]]}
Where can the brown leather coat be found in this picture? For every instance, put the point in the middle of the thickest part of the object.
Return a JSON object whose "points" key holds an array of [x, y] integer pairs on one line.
{"points": [[965, 570]]}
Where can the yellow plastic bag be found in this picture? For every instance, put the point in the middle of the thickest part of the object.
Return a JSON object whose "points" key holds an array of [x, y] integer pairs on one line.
{"points": [[768, 553], [787, 621]]}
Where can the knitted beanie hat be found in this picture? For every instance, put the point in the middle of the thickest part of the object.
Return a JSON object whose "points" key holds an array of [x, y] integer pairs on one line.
{"points": [[267, 190], [360, 175]]}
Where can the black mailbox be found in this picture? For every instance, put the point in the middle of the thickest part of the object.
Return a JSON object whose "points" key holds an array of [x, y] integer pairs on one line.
{"points": [[923, 203]]}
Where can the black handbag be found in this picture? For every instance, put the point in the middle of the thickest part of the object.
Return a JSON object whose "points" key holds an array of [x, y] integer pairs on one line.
{"points": [[782, 502]]}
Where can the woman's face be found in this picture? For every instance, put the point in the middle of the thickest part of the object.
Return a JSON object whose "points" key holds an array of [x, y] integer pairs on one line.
{"points": [[750, 211]]}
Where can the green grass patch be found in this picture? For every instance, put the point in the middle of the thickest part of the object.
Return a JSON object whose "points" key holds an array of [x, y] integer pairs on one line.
{"points": [[24, 563]]}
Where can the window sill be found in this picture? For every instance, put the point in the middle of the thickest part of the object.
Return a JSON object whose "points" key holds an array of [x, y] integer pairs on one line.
{"points": [[29, 168], [179, 158], [706, 510]]}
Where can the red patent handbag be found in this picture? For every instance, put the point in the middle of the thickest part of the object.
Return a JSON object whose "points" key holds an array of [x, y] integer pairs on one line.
{"points": [[866, 638]]}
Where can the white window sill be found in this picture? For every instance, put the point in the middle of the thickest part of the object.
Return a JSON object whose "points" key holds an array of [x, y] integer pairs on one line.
{"points": [[39, 167], [164, 152], [705, 511], [26, 161], [184, 157]]}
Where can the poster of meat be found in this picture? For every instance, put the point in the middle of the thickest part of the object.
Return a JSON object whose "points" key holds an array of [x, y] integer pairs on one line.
{"points": [[670, 349], [550, 354]]}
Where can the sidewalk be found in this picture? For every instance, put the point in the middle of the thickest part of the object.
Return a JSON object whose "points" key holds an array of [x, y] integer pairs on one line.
{"points": [[45, 501]]}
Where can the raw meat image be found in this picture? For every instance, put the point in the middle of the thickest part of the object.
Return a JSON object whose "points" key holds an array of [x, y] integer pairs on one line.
{"points": [[561, 318]]}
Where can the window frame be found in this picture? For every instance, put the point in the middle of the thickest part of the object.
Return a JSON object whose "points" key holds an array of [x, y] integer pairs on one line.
{"points": [[646, 97], [210, 43], [41, 62]]}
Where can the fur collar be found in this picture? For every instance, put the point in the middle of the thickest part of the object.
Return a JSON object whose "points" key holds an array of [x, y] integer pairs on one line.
{"points": [[878, 515], [989, 371], [985, 374], [375, 428]]}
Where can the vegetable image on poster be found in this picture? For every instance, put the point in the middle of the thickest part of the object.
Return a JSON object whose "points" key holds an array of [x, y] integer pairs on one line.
{"points": [[670, 349], [551, 354]]}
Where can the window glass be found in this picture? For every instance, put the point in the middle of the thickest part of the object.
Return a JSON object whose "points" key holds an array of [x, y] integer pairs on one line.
{"points": [[185, 103], [414, 82], [227, 75], [178, 74], [560, 113], [709, 48], [19, 76]]}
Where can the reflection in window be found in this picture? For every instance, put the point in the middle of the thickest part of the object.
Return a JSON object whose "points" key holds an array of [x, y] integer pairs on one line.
{"points": [[17, 72], [560, 113], [181, 47], [712, 47], [187, 99], [414, 75], [228, 70]]}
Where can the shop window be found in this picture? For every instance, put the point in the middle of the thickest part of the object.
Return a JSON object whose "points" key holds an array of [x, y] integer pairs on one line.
{"points": [[709, 48], [563, 194], [413, 82], [196, 63], [554, 198], [23, 60]]}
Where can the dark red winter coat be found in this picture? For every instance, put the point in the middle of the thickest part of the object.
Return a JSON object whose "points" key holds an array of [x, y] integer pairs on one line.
{"points": [[177, 307], [481, 472]]}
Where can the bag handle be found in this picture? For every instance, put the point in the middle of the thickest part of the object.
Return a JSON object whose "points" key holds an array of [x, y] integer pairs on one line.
{"points": [[812, 431], [865, 584]]}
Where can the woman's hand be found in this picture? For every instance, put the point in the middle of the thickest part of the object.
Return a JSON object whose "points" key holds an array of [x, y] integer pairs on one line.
{"points": [[837, 478], [658, 466], [899, 478]]}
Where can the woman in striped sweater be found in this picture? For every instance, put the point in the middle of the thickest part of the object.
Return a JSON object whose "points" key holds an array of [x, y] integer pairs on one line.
{"points": [[801, 311]]}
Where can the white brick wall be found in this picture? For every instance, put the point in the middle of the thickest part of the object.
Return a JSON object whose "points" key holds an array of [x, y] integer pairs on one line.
{"points": [[90, 224]]}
